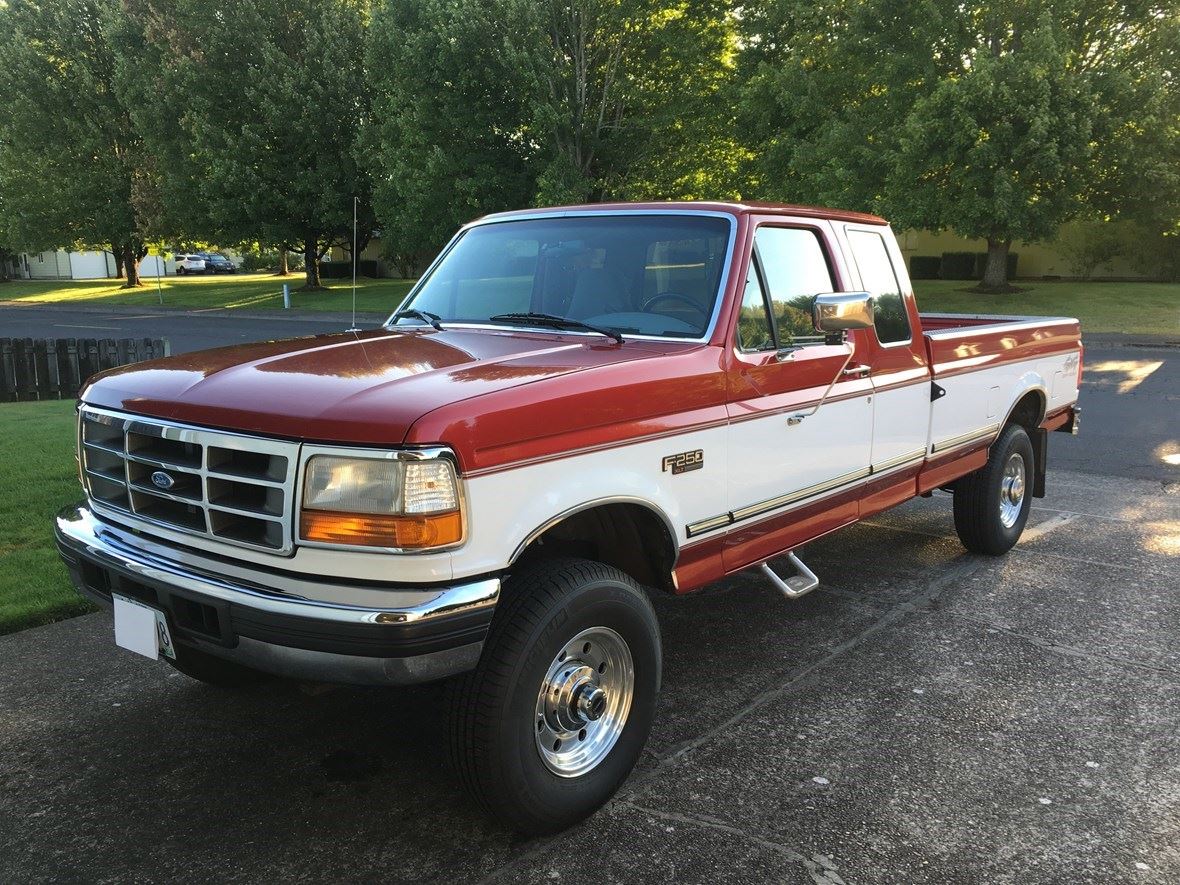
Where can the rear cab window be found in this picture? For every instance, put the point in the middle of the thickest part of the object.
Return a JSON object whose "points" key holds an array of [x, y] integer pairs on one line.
{"points": [[879, 279]]}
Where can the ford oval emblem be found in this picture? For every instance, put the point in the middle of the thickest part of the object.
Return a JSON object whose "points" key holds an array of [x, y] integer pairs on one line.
{"points": [[162, 480]]}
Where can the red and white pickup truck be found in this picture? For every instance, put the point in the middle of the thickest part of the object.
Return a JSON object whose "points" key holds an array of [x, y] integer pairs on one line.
{"points": [[571, 403]]}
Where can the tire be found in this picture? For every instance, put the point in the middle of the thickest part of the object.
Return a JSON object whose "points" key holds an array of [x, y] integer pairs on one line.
{"points": [[180, 271], [212, 670], [991, 504], [601, 621]]}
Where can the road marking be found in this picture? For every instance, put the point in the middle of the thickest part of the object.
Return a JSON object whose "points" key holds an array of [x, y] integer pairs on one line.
{"points": [[1043, 528], [70, 326]]}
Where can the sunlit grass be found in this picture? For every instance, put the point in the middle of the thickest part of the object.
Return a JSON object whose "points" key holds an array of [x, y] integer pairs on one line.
{"points": [[237, 292], [39, 478], [1136, 308]]}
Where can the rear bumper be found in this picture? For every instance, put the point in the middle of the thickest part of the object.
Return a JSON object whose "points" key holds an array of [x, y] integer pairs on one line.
{"points": [[270, 621]]}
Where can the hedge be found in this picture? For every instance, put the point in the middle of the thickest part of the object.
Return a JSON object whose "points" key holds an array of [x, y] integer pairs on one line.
{"points": [[957, 266], [924, 267]]}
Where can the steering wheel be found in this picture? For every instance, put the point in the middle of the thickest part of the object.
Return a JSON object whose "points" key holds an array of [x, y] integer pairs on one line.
{"points": [[673, 296]]}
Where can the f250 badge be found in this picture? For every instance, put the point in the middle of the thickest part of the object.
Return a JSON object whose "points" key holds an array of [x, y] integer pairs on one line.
{"points": [[684, 462]]}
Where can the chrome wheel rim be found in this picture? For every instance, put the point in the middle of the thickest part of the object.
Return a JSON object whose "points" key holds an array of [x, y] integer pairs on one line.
{"points": [[584, 702], [1012, 491]]}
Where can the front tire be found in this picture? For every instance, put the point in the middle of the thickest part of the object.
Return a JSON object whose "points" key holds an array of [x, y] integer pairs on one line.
{"points": [[554, 717], [992, 504]]}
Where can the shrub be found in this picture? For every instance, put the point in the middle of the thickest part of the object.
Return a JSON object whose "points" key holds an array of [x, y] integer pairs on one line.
{"points": [[924, 267], [957, 266]]}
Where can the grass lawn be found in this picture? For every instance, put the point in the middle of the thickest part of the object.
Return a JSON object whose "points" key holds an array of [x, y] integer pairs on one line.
{"points": [[1139, 308], [37, 479], [236, 292]]}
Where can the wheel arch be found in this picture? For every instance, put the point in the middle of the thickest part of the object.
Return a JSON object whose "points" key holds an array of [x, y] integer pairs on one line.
{"points": [[628, 533], [1028, 411]]}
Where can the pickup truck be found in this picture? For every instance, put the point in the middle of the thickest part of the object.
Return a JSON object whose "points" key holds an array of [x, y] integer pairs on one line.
{"points": [[571, 405]]}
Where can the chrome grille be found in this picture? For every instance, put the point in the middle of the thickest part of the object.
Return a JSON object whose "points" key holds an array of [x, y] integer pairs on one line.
{"points": [[236, 489]]}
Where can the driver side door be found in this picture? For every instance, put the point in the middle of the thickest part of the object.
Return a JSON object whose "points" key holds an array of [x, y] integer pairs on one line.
{"points": [[791, 477]]}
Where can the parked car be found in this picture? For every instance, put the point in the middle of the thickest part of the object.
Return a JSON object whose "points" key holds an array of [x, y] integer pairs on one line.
{"points": [[570, 405], [218, 263], [190, 263]]}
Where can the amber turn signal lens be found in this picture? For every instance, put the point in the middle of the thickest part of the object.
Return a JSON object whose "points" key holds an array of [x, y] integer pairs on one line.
{"points": [[377, 530]]}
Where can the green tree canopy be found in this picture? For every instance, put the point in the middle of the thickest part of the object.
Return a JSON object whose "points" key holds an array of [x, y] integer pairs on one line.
{"points": [[262, 103], [997, 120], [482, 105], [71, 163]]}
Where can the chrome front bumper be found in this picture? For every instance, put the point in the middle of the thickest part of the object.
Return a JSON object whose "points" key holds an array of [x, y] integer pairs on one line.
{"points": [[279, 622]]}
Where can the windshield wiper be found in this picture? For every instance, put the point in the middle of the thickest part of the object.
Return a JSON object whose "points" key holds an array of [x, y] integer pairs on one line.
{"points": [[424, 315], [555, 322]]}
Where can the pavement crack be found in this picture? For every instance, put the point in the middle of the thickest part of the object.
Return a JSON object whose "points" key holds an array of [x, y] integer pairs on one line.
{"points": [[819, 867], [1066, 650]]}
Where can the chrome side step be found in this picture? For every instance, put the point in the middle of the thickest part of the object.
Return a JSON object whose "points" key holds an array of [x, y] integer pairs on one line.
{"points": [[796, 585]]}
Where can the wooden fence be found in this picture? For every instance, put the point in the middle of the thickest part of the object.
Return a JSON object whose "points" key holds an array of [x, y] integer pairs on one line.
{"points": [[57, 368]]}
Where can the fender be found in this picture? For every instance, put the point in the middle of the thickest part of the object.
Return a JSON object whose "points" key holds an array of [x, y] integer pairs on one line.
{"points": [[590, 505]]}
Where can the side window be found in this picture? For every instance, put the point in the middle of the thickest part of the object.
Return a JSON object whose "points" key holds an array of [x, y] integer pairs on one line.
{"points": [[880, 280], [796, 271], [754, 332]]}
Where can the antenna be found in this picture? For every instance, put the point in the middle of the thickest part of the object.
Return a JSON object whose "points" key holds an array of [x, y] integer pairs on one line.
{"points": [[355, 200]]}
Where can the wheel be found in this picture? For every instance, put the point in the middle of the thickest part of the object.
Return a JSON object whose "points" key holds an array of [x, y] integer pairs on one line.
{"points": [[555, 715], [991, 504], [213, 670], [180, 271]]}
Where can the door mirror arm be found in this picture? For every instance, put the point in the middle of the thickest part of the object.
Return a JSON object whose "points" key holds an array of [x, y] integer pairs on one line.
{"points": [[799, 416]]}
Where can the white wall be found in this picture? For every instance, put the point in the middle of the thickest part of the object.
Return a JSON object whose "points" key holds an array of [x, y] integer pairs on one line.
{"points": [[153, 265], [91, 265], [53, 265]]}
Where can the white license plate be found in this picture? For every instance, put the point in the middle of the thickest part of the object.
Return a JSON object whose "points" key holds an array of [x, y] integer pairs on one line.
{"points": [[141, 629]]}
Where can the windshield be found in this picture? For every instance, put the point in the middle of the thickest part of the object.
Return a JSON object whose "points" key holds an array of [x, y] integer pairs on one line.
{"points": [[638, 274]]}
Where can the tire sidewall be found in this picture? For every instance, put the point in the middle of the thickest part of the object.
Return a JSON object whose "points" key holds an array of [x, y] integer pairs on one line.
{"points": [[602, 603], [1015, 441]]}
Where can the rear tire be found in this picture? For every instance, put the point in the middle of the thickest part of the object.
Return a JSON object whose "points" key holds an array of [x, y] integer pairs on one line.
{"points": [[555, 715], [992, 504], [212, 670]]}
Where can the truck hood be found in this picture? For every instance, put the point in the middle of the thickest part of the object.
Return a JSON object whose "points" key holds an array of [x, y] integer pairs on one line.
{"points": [[364, 388]]}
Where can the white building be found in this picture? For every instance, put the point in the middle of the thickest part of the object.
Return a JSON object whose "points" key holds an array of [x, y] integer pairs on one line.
{"points": [[61, 264]]}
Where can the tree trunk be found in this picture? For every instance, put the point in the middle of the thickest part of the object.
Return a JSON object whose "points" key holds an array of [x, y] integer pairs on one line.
{"points": [[995, 272], [131, 266], [118, 253], [284, 267], [311, 258]]}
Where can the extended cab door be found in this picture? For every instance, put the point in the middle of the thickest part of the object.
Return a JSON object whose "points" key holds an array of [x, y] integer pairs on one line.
{"points": [[779, 464], [895, 355]]}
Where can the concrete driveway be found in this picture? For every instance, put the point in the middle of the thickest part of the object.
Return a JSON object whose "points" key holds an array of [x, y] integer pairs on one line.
{"points": [[928, 716]]}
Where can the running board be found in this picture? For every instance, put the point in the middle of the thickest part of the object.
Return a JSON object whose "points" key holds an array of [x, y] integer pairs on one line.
{"points": [[798, 584]]}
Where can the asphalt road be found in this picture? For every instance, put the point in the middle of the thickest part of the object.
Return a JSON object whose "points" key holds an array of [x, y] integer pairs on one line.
{"points": [[927, 716], [190, 330]]}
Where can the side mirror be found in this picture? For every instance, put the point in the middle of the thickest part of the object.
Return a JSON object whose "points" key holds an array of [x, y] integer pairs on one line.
{"points": [[843, 311]]}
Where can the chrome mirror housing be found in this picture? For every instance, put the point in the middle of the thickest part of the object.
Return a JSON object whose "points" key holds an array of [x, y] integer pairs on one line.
{"points": [[843, 311]]}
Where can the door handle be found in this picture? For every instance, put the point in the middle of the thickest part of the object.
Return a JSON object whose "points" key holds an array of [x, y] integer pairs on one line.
{"points": [[856, 371]]}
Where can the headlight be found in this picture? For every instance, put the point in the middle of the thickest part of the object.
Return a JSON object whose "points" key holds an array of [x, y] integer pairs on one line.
{"points": [[371, 502]]}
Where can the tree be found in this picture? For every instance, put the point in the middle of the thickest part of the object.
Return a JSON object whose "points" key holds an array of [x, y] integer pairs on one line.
{"points": [[482, 106], [1001, 152], [70, 159], [265, 102], [998, 120]]}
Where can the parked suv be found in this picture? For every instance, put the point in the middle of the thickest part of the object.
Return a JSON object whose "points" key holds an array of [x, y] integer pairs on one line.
{"points": [[218, 263], [190, 263]]}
